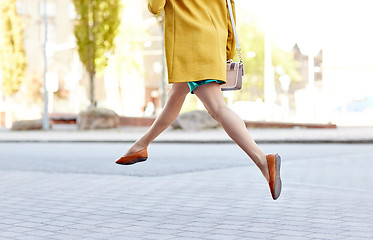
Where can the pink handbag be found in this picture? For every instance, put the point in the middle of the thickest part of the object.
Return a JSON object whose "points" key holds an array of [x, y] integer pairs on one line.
{"points": [[234, 69], [234, 76]]}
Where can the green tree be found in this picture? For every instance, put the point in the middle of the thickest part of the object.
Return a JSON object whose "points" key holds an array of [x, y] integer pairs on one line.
{"points": [[252, 44], [95, 29], [12, 52]]}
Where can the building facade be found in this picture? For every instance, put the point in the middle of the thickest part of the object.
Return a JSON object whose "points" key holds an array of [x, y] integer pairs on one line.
{"points": [[132, 81]]}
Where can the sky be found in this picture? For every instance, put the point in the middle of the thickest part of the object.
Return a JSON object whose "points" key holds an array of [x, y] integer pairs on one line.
{"points": [[310, 23]]}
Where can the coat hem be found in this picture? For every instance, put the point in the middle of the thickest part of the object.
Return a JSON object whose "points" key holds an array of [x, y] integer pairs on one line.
{"points": [[170, 81]]}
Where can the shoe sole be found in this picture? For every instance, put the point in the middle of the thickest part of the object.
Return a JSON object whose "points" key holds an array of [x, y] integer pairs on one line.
{"points": [[134, 161], [278, 183]]}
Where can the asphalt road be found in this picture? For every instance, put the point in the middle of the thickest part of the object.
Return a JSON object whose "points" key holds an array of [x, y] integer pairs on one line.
{"points": [[341, 165]]}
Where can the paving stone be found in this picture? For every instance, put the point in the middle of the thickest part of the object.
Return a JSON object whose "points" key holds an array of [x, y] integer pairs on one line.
{"points": [[337, 230], [19, 229], [323, 236], [188, 238], [23, 237], [66, 236], [354, 238], [200, 229], [261, 228], [190, 234], [256, 235], [368, 233], [74, 232], [172, 226], [158, 237], [9, 234], [95, 235], [162, 231], [286, 237], [201, 224], [101, 229], [3, 226], [58, 223], [39, 233], [8, 221], [220, 237]]}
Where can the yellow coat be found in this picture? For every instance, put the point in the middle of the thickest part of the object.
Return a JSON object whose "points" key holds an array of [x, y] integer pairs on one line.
{"points": [[198, 38]]}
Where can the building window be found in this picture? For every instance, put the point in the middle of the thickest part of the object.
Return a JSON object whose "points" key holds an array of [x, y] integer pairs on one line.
{"points": [[72, 12], [51, 9], [21, 7], [51, 32]]}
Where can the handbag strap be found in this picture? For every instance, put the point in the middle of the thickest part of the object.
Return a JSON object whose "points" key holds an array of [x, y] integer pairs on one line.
{"points": [[234, 29]]}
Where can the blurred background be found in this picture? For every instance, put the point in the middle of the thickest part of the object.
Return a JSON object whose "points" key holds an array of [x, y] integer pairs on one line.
{"points": [[305, 61]]}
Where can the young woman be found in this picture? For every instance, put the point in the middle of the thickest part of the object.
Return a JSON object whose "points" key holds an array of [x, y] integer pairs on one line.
{"points": [[199, 40]]}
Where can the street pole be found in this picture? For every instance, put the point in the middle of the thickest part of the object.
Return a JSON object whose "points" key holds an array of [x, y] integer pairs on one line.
{"points": [[311, 84], [269, 78], [311, 73], [45, 114], [163, 77]]}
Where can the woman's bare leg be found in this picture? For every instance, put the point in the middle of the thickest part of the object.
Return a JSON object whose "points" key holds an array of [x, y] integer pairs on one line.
{"points": [[213, 100], [168, 115]]}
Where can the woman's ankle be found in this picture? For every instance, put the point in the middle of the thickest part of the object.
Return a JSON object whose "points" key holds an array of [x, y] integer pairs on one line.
{"points": [[137, 146], [263, 166]]}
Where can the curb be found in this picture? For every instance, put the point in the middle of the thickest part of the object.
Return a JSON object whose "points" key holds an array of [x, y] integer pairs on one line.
{"points": [[58, 118], [313, 141]]}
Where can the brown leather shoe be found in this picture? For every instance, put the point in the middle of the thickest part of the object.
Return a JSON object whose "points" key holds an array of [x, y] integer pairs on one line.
{"points": [[275, 184], [135, 157]]}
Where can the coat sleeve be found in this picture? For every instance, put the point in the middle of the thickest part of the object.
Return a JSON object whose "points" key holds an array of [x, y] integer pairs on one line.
{"points": [[231, 44], [156, 6]]}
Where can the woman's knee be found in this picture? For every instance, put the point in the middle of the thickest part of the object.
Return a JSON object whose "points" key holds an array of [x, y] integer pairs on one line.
{"points": [[216, 110], [212, 99], [212, 114], [179, 90]]}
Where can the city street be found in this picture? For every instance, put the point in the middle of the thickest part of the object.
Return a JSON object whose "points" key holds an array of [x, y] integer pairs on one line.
{"points": [[184, 191], [82, 80]]}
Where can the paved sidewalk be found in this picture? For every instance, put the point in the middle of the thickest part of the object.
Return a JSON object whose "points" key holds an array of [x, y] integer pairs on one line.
{"points": [[69, 133], [218, 204]]}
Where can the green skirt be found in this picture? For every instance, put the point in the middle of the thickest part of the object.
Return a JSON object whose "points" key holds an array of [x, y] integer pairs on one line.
{"points": [[195, 84]]}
